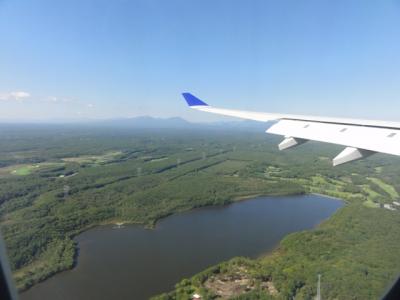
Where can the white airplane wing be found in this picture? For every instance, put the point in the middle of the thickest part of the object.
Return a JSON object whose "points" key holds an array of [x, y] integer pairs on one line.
{"points": [[361, 137]]}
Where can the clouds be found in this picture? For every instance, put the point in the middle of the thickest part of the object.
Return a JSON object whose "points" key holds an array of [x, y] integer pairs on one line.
{"points": [[14, 96], [22, 95], [19, 103]]}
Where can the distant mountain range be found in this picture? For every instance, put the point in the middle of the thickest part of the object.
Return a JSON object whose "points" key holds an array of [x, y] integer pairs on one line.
{"points": [[179, 123], [146, 122]]}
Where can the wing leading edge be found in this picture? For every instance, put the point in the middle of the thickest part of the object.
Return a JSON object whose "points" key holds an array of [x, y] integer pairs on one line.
{"points": [[361, 137]]}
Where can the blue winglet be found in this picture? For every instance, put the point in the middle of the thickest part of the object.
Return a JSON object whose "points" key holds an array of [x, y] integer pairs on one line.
{"points": [[192, 100]]}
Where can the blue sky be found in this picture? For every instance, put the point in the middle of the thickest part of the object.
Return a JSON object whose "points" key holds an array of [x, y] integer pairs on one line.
{"points": [[81, 59]]}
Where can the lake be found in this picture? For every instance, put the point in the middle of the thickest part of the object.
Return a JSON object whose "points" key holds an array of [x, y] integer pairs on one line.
{"points": [[136, 263]]}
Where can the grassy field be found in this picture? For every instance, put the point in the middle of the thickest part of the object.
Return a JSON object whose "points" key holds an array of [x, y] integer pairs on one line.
{"points": [[386, 187], [94, 159], [27, 169]]}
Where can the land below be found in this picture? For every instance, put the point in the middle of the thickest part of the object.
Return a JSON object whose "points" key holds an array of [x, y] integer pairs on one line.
{"points": [[142, 263], [56, 183]]}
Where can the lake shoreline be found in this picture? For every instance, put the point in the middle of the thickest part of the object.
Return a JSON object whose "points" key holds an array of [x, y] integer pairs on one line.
{"points": [[153, 225]]}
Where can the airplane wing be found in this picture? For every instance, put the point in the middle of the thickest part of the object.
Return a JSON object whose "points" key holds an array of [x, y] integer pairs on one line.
{"points": [[361, 137]]}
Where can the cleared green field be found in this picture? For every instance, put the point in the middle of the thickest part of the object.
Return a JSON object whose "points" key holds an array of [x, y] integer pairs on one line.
{"points": [[23, 170], [372, 195], [386, 187], [26, 169], [95, 159]]}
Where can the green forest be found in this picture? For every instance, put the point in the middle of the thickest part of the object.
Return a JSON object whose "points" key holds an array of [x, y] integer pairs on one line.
{"points": [[57, 182]]}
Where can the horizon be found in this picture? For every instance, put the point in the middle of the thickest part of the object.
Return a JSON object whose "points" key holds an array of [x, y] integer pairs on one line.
{"points": [[112, 121], [84, 61]]}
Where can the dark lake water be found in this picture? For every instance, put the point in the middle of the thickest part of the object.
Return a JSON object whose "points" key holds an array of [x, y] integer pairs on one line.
{"points": [[136, 263]]}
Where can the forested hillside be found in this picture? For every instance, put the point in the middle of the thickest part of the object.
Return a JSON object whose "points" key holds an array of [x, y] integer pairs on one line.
{"points": [[55, 183]]}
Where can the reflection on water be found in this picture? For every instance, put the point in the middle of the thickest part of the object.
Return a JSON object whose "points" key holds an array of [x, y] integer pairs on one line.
{"points": [[135, 263]]}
